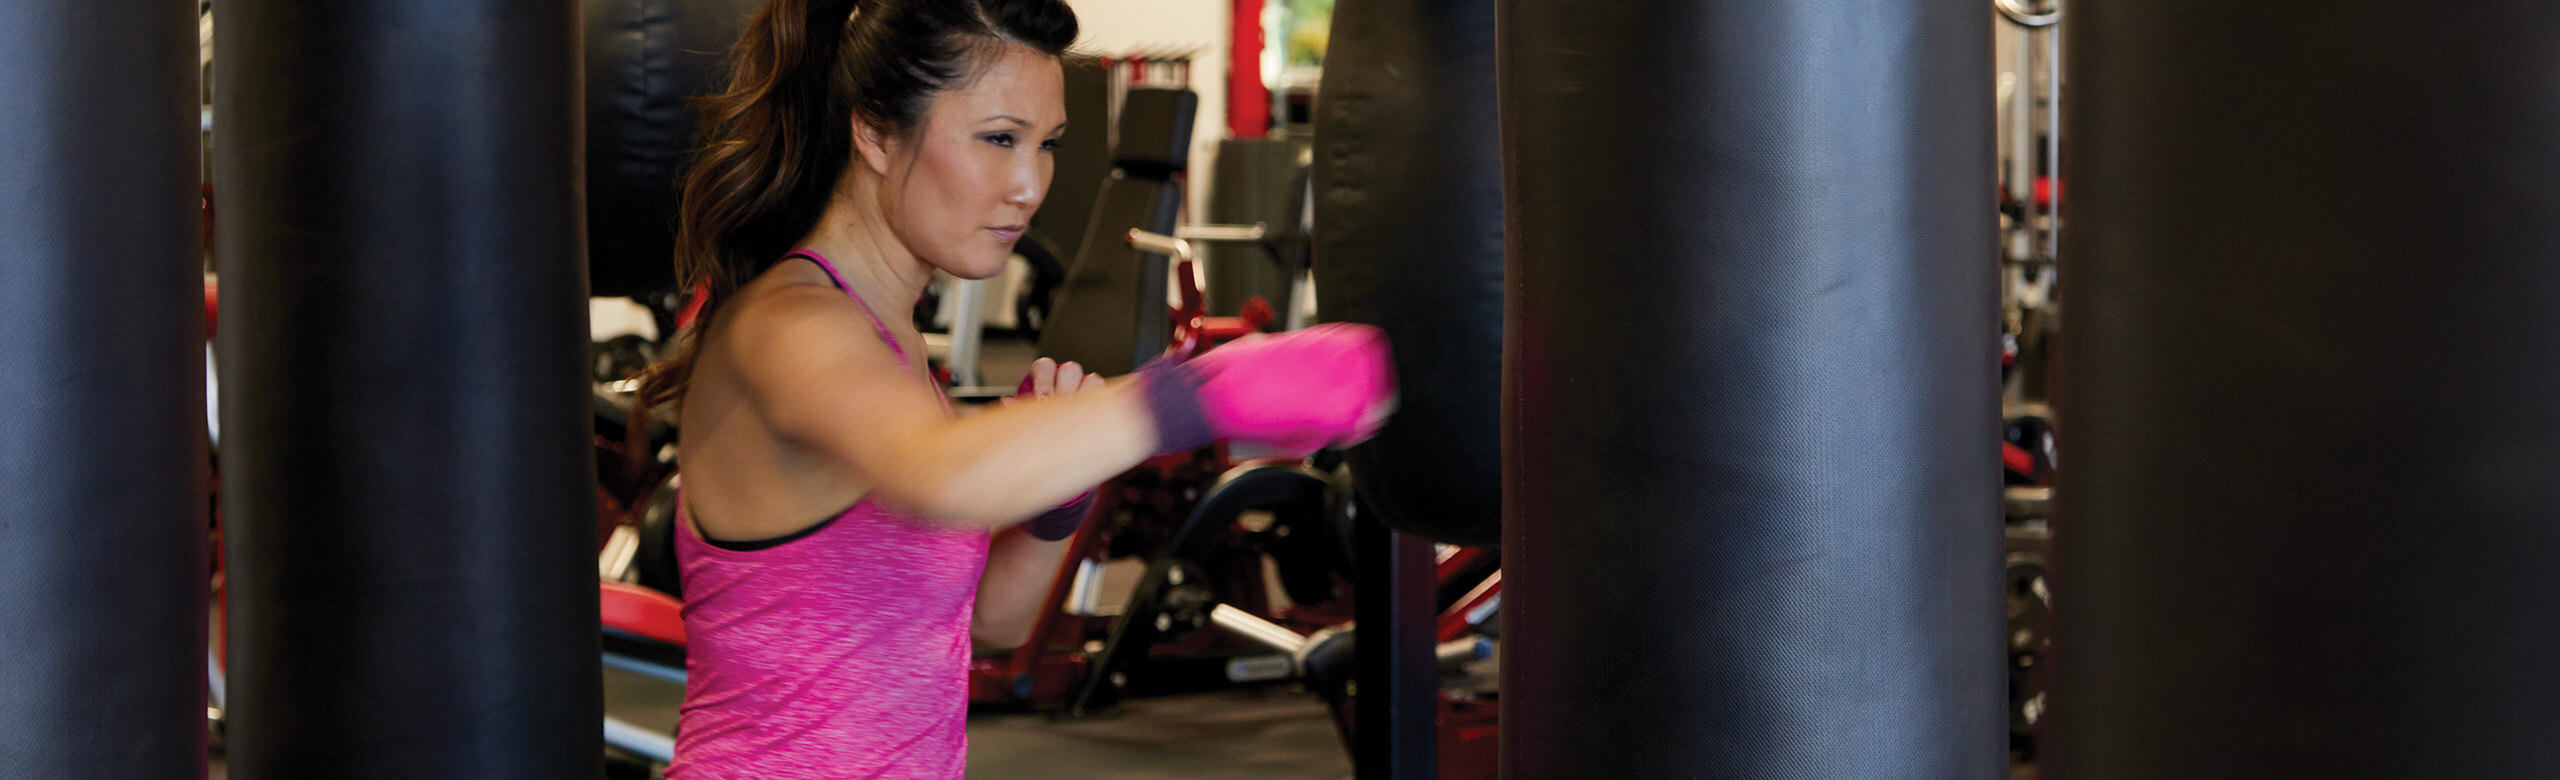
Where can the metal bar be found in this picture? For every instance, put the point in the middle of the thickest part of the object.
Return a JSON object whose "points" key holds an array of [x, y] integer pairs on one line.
{"points": [[2019, 244], [2030, 212], [1081, 599], [1158, 243], [649, 744], [620, 549], [2052, 249], [1262, 632], [1460, 651], [1397, 671], [968, 331], [1472, 609], [644, 668], [215, 684], [1230, 233]]}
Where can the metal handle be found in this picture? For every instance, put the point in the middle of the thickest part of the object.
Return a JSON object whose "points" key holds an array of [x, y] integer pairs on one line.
{"points": [[2017, 12], [1158, 243]]}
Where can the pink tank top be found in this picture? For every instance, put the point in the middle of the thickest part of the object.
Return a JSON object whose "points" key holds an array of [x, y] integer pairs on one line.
{"points": [[842, 653]]}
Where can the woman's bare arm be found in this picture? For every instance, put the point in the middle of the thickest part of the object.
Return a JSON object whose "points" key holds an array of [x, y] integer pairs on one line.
{"points": [[821, 380], [1014, 587], [1021, 566]]}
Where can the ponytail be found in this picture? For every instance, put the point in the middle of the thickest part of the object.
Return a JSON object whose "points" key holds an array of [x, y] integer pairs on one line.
{"points": [[774, 144], [772, 147]]}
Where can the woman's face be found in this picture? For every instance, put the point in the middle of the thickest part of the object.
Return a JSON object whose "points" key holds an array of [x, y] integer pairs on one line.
{"points": [[963, 185]]}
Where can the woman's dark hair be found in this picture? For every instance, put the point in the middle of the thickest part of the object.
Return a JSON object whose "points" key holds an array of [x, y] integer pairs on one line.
{"points": [[775, 142]]}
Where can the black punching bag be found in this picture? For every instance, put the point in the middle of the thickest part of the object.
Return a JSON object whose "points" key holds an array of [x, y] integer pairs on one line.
{"points": [[1408, 237], [2308, 521], [1750, 413], [647, 60], [102, 428], [407, 475]]}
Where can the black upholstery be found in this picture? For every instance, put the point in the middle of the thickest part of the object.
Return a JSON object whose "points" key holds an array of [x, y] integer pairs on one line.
{"points": [[1259, 181], [1084, 159], [1084, 164], [1155, 131], [1110, 314]]}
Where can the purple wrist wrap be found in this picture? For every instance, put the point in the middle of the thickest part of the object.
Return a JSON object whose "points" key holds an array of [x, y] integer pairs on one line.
{"points": [[1061, 522], [1173, 400]]}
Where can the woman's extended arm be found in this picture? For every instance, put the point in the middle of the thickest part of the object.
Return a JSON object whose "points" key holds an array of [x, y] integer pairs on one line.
{"points": [[820, 381], [841, 399]]}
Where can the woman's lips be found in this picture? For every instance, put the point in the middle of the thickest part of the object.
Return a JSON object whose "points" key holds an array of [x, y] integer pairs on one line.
{"points": [[1008, 233]]}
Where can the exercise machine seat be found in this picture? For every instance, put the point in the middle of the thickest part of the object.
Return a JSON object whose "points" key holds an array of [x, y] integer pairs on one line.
{"points": [[641, 612], [1110, 314]]}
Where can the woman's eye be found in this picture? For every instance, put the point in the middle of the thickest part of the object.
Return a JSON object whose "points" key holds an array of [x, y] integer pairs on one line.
{"points": [[1001, 139], [1050, 145]]}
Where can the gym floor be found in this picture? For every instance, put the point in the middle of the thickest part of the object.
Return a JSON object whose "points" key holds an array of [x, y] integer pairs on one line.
{"points": [[1275, 733], [1279, 732]]}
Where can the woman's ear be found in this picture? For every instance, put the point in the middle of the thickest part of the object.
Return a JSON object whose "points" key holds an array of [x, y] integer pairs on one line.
{"points": [[872, 143]]}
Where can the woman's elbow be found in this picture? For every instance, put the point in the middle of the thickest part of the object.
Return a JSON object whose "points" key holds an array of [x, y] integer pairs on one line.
{"points": [[968, 510], [945, 501]]}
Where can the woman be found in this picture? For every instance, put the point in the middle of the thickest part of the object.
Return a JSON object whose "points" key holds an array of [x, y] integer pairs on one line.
{"points": [[846, 536]]}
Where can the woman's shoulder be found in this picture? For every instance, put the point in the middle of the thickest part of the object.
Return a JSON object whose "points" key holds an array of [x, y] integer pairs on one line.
{"points": [[800, 352], [794, 320], [784, 291]]}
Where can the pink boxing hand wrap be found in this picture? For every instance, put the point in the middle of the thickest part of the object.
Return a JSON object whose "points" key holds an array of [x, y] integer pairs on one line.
{"points": [[1299, 391]]}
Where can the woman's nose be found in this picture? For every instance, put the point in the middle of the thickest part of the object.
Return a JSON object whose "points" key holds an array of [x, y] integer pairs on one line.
{"points": [[1026, 188]]}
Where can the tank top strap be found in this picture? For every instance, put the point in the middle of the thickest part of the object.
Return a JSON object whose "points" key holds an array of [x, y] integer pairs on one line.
{"points": [[877, 325]]}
